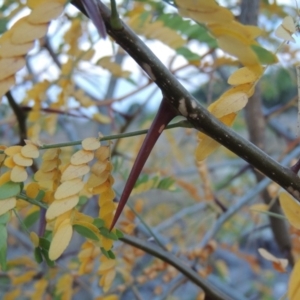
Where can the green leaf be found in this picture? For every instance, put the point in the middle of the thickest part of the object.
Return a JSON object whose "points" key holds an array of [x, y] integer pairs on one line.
{"points": [[38, 255], [108, 234], [98, 222], [86, 232], [3, 25], [3, 247], [44, 243], [104, 252], [111, 254], [265, 57], [49, 262], [31, 219], [4, 218], [119, 233], [166, 184], [188, 54], [9, 189]]}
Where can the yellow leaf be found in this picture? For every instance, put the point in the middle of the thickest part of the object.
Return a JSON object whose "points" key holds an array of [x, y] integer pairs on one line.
{"points": [[60, 241], [49, 165], [51, 154], [7, 204], [102, 153], [30, 150], [237, 48], [101, 118], [99, 167], [228, 104], [106, 265], [106, 208], [5, 177], [82, 157], [11, 151], [96, 180], [9, 162], [12, 295], [99, 189], [88, 225], [8, 49], [206, 144], [286, 29], [291, 209], [68, 188], [32, 190], [259, 207], [18, 174], [204, 11], [6, 84], [90, 143], [24, 32], [241, 76], [73, 171], [34, 239], [294, 283], [21, 160], [108, 280], [25, 277], [108, 195], [44, 176], [59, 207], [45, 12], [9, 66]]}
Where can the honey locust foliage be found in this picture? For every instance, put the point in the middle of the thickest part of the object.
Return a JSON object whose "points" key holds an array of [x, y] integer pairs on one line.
{"points": [[58, 182]]}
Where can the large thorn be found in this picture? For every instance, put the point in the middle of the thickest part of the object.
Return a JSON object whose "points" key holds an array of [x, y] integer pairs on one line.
{"points": [[163, 117]]}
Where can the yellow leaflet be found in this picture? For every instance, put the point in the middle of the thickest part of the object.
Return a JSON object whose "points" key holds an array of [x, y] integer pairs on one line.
{"points": [[259, 207], [228, 104], [237, 48], [90, 143], [39, 289], [5, 177], [25, 277], [62, 220], [206, 144], [107, 280], [286, 29], [6, 84], [106, 208], [78, 216], [51, 154], [12, 295], [82, 157], [58, 207], [115, 69], [7, 204], [18, 174], [101, 118], [291, 209], [34, 239], [242, 75], [9, 66], [49, 165], [247, 88], [232, 29], [87, 55], [99, 167], [106, 265], [69, 188], [72, 171], [10, 151], [30, 151], [44, 176], [45, 12], [60, 241], [20, 160], [8, 49], [101, 188], [102, 153], [32, 190], [96, 180], [108, 195], [50, 125], [109, 297], [24, 32], [9, 162], [294, 283], [204, 11]]}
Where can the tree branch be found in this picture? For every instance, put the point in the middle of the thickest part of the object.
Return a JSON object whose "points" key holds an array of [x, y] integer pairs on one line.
{"points": [[187, 106]]}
